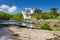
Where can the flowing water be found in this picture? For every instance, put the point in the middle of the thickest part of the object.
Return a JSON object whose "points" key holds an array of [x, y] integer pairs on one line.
{"points": [[28, 25], [5, 37], [5, 33]]}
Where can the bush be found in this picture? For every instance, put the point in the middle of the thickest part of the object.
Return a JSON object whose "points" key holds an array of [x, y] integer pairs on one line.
{"points": [[38, 26], [46, 26]]}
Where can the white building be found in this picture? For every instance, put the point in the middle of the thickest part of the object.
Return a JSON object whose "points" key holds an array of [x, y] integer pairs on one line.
{"points": [[26, 13]]}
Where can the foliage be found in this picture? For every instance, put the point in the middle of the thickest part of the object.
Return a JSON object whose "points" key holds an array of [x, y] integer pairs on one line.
{"points": [[54, 19], [47, 15], [53, 14], [55, 28], [6, 16], [38, 26], [46, 26], [54, 11], [37, 16], [17, 16]]}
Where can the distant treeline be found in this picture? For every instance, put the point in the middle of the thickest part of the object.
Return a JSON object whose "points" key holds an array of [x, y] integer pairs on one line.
{"points": [[38, 14], [7, 16]]}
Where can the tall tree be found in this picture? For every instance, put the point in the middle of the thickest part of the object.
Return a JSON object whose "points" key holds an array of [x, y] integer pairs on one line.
{"points": [[3, 16], [36, 16], [18, 16], [38, 11], [47, 15], [54, 11]]}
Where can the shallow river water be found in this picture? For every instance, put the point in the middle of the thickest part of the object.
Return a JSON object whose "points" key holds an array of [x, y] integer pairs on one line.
{"points": [[5, 33]]}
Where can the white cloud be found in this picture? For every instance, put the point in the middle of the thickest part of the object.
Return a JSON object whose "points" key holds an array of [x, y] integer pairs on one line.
{"points": [[12, 9], [1, 9], [8, 8], [4, 6]]}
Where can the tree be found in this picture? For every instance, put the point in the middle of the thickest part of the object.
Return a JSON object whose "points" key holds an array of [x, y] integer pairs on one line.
{"points": [[47, 15], [3, 16], [54, 11], [38, 11], [18, 16], [37, 16]]}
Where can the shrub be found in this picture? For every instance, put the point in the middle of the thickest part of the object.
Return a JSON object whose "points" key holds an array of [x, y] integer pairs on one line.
{"points": [[46, 26], [38, 26]]}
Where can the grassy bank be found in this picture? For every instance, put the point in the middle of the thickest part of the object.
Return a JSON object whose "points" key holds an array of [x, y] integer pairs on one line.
{"points": [[47, 27]]}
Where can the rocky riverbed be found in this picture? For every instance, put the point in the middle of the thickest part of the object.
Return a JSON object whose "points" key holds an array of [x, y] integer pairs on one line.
{"points": [[50, 22], [35, 34]]}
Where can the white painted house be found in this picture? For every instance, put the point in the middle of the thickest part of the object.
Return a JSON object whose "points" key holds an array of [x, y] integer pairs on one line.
{"points": [[26, 13]]}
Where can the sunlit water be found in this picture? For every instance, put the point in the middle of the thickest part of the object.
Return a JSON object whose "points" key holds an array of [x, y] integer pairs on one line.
{"points": [[5, 34], [29, 25], [6, 38]]}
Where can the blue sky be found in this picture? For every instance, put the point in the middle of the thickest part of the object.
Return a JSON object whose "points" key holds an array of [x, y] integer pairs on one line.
{"points": [[20, 5]]}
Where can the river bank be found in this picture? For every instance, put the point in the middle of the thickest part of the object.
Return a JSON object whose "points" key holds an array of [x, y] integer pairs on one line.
{"points": [[50, 22], [34, 34]]}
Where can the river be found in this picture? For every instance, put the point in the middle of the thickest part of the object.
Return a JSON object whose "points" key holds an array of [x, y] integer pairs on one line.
{"points": [[5, 33]]}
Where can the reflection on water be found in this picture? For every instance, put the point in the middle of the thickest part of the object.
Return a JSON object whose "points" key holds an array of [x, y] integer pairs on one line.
{"points": [[10, 22], [28, 25], [6, 38], [5, 33], [5, 30]]}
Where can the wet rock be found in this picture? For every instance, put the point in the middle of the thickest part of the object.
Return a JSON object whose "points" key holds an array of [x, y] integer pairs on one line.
{"points": [[15, 35]]}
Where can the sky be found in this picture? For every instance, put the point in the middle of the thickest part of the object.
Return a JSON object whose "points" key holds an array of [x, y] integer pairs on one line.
{"points": [[14, 6]]}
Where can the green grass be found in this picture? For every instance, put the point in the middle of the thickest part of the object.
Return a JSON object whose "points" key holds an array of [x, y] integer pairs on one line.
{"points": [[43, 26], [55, 28], [47, 27], [55, 19]]}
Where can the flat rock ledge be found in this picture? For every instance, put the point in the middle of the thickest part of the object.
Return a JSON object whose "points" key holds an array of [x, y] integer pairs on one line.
{"points": [[35, 34]]}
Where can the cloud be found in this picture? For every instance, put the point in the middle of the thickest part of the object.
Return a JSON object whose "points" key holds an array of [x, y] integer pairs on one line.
{"points": [[4, 7], [8, 8], [1, 9], [12, 9]]}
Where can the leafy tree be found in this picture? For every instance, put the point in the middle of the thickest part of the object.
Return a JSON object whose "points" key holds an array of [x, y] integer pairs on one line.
{"points": [[18, 16], [54, 11], [37, 16], [3, 16], [47, 15], [38, 11], [10, 16]]}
